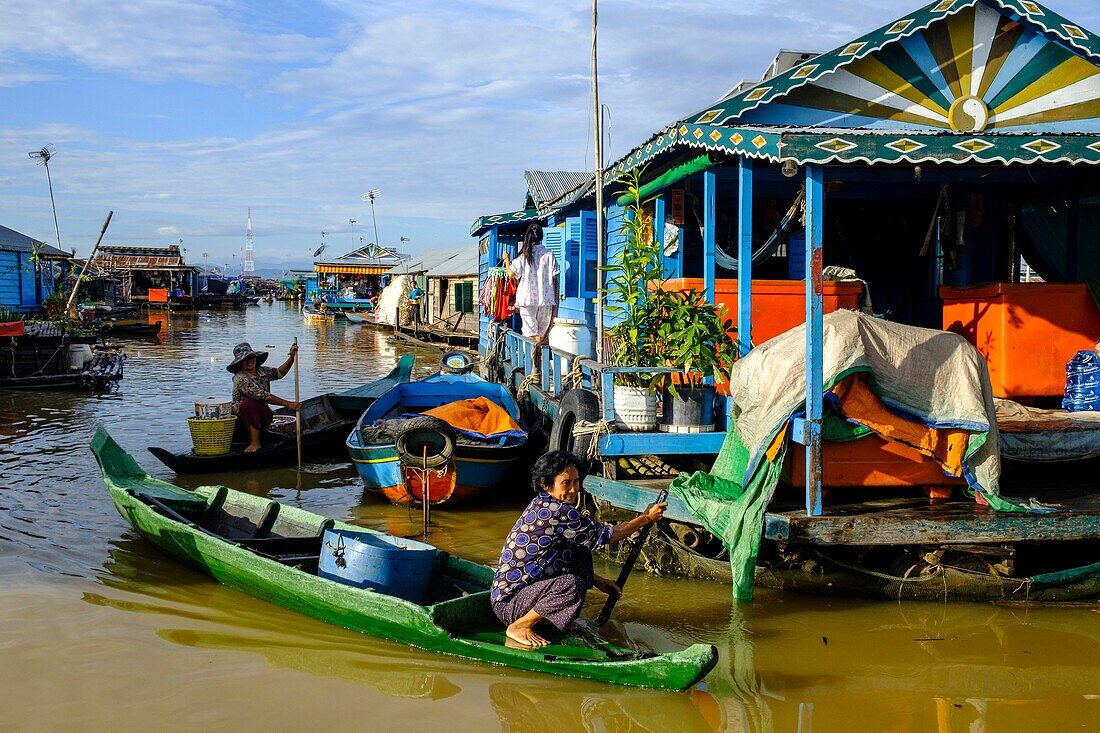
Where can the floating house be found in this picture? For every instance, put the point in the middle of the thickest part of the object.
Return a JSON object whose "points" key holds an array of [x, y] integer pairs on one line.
{"points": [[927, 164], [148, 274], [361, 270], [448, 277], [29, 271]]}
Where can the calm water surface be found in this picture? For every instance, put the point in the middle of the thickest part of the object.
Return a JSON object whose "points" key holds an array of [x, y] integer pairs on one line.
{"points": [[99, 632]]}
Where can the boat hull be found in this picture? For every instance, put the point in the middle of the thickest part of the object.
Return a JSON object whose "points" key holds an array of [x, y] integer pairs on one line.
{"points": [[480, 473], [461, 626]]}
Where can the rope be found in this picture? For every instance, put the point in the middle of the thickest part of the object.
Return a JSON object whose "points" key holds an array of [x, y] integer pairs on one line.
{"points": [[531, 380], [600, 428], [574, 379]]}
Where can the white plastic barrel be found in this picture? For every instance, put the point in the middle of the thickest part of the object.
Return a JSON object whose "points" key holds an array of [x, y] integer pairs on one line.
{"points": [[79, 355], [571, 336]]}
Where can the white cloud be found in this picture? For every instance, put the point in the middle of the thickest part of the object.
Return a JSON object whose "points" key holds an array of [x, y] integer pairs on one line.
{"points": [[151, 40], [440, 105]]}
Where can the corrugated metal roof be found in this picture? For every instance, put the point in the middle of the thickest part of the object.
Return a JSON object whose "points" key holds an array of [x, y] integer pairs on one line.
{"points": [[546, 187], [430, 260], [465, 263], [13, 241]]}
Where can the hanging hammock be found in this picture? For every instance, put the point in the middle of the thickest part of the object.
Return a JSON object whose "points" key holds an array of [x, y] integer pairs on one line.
{"points": [[769, 248]]}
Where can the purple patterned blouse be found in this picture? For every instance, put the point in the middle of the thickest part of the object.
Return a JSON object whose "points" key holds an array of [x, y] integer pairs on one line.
{"points": [[541, 543]]}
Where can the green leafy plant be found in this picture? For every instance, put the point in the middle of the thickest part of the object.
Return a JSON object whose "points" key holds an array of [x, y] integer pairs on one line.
{"points": [[631, 276], [10, 316], [660, 327], [691, 334]]}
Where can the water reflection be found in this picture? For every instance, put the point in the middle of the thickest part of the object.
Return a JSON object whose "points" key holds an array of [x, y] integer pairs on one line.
{"points": [[524, 708], [787, 662]]}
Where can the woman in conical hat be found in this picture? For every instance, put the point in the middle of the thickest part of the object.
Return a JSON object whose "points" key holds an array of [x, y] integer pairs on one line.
{"points": [[252, 390]]}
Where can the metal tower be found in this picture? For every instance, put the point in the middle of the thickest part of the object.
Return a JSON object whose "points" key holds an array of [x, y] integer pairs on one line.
{"points": [[249, 267]]}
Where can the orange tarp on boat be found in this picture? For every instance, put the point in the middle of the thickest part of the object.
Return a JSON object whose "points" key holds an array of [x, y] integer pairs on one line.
{"points": [[859, 404], [479, 416]]}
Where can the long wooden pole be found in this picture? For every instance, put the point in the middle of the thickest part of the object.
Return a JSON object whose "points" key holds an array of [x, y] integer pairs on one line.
{"points": [[297, 400], [598, 152], [628, 565], [76, 285]]}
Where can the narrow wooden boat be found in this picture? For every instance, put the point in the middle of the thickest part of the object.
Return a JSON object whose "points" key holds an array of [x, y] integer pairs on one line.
{"points": [[312, 314], [131, 330], [325, 422], [480, 466], [272, 551], [366, 317]]}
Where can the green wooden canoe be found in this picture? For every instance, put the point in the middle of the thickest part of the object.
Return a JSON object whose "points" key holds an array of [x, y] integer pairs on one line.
{"points": [[271, 551]]}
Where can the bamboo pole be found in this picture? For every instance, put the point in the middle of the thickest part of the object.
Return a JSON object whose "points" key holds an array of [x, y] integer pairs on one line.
{"points": [[76, 285], [297, 400]]}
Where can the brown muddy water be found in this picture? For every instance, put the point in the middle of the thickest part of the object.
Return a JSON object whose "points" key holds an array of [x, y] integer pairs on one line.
{"points": [[98, 632]]}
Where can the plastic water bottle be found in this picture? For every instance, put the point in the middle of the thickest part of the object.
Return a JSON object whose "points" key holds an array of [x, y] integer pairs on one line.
{"points": [[1082, 383]]}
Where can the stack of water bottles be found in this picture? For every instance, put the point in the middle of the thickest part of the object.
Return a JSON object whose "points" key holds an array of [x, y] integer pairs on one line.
{"points": [[1083, 382]]}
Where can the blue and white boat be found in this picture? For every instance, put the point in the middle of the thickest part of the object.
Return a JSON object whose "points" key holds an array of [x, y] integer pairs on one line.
{"points": [[479, 466]]}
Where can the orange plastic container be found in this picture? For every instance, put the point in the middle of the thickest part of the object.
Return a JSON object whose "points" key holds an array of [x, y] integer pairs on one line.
{"points": [[1027, 332], [158, 295], [870, 461], [777, 305]]}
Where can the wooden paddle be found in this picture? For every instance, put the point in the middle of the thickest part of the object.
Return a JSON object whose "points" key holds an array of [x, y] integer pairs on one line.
{"points": [[297, 400], [628, 565]]}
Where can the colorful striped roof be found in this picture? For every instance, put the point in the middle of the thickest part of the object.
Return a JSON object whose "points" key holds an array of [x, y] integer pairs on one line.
{"points": [[1006, 81]]}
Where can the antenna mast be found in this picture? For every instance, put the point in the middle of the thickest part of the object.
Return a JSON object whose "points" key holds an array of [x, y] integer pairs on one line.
{"points": [[249, 264]]}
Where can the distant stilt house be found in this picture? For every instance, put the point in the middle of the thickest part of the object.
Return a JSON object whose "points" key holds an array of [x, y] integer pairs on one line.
{"points": [[29, 271], [448, 278], [148, 274]]}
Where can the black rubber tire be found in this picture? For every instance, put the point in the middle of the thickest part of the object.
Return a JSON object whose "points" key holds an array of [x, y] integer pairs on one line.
{"points": [[575, 405], [439, 434]]}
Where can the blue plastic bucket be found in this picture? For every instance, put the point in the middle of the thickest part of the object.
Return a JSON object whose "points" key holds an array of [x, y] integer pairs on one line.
{"points": [[392, 565]]}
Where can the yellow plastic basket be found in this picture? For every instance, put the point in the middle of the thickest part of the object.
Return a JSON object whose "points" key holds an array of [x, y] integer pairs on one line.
{"points": [[212, 437]]}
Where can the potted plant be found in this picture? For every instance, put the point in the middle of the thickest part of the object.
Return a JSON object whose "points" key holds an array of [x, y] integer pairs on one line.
{"points": [[662, 328], [694, 336], [631, 277]]}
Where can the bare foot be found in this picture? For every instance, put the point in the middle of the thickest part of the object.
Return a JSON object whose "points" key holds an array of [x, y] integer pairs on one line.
{"points": [[525, 636], [251, 448]]}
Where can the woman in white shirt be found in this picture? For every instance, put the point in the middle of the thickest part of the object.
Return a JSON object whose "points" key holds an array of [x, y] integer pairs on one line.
{"points": [[536, 271]]}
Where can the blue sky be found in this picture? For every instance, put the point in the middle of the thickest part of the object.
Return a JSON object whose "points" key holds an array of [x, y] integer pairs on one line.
{"points": [[181, 115]]}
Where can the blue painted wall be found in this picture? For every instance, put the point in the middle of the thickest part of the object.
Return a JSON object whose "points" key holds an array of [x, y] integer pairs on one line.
{"points": [[22, 286]]}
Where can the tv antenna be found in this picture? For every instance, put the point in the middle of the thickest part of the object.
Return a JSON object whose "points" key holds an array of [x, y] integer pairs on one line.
{"points": [[371, 195], [43, 156]]}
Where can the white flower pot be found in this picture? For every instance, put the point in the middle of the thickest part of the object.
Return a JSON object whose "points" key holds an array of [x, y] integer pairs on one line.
{"points": [[635, 408]]}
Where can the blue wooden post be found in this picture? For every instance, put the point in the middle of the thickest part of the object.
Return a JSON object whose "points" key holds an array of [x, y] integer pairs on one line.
{"points": [[744, 256], [815, 210], [607, 387], [710, 206]]}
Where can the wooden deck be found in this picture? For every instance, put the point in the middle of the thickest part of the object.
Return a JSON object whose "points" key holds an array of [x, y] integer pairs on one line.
{"points": [[893, 521]]}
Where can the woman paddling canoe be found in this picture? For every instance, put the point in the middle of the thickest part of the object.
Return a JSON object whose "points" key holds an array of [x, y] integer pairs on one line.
{"points": [[252, 390], [545, 568]]}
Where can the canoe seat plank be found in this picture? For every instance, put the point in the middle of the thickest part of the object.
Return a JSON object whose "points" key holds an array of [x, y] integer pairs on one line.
{"points": [[241, 521]]}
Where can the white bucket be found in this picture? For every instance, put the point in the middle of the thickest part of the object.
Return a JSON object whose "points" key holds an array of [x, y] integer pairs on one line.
{"points": [[79, 355], [635, 408], [213, 408], [571, 336]]}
